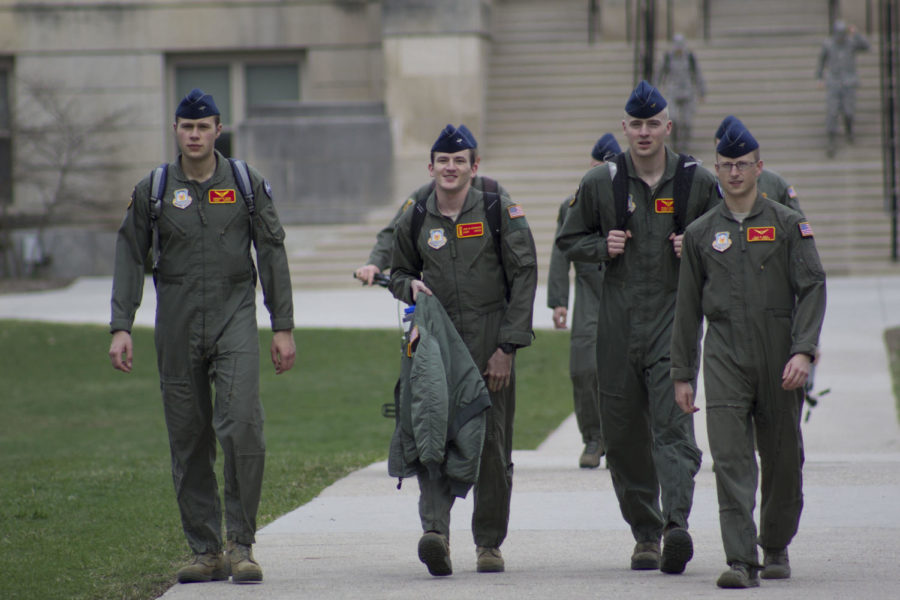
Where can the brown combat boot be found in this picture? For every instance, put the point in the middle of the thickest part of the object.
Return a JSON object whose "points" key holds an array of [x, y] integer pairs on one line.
{"points": [[645, 556], [678, 549], [434, 551], [776, 564], [489, 560], [243, 568], [210, 566], [590, 458], [739, 576]]}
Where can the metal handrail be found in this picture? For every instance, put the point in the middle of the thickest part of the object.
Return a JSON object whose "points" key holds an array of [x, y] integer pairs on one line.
{"points": [[889, 66]]}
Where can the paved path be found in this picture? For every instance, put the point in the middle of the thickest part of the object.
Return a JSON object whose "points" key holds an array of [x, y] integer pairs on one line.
{"points": [[567, 539]]}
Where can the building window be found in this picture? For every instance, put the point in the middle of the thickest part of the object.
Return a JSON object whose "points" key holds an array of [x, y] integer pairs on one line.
{"points": [[272, 83], [238, 84]]}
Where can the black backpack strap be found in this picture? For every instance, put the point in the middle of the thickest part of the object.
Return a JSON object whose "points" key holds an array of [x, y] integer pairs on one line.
{"points": [[620, 192], [492, 206], [157, 188], [242, 176], [684, 179]]}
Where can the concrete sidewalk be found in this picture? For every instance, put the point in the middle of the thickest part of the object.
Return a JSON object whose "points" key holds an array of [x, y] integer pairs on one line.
{"points": [[567, 539]]}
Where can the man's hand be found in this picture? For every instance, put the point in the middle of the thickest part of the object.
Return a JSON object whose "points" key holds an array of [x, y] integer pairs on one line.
{"points": [[120, 351], [684, 397], [283, 351], [367, 273], [418, 286], [615, 241], [795, 372], [498, 370], [676, 243], [559, 317]]}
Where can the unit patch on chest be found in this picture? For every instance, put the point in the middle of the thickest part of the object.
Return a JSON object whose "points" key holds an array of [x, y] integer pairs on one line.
{"points": [[221, 196], [665, 206], [468, 230], [437, 239], [722, 241], [760, 234], [181, 199]]}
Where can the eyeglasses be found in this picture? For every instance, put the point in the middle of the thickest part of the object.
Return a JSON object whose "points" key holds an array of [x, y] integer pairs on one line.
{"points": [[741, 166]]}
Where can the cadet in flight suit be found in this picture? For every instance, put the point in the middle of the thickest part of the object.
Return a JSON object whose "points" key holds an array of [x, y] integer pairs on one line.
{"points": [[750, 267], [454, 259], [650, 445], [206, 333], [838, 56], [771, 185], [583, 346], [380, 257]]}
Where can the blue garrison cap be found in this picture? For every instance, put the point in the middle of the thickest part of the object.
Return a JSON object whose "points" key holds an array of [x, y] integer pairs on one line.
{"points": [[645, 101], [725, 124], [605, 148], [737, 141], [453, 139], [196, 105]]}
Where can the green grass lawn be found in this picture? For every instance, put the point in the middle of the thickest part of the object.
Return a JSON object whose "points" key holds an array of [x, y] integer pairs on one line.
{"points": [[87, 508]]}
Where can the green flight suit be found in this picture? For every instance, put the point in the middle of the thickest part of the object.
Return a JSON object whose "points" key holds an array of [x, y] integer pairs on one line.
{"points": [[774, 187], [761, 287], [206, 333], [457, 260], [380, 256], [583, 344], [650, 444]]}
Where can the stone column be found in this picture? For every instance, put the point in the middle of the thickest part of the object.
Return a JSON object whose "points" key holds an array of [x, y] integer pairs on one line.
{"points": [[435, 68]]}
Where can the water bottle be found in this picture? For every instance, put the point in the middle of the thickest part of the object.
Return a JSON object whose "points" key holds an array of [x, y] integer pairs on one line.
{"points": [[408, 314]]}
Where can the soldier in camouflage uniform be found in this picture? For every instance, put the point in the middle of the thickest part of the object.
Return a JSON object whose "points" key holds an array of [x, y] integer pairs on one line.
{"points": [[582, 351], [838, 59], [751, 268], [682, 82], [206, 333], [489, 297]]}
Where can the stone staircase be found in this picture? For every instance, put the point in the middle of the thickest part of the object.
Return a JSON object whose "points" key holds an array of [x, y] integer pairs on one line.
{"points": [[551, 95]]}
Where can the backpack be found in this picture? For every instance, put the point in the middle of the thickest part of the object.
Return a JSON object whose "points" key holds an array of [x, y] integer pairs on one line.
{"points": [[492, 207], [684, 178], [158, 187], [692, 63]]}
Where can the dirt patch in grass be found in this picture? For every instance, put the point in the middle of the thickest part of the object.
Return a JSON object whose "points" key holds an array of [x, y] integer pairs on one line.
{"points": [[892, 341]]}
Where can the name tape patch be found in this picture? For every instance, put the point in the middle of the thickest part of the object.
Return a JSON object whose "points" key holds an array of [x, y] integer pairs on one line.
{"points": [[468, 230], [665, 206], [221, 196], [760, 234]]}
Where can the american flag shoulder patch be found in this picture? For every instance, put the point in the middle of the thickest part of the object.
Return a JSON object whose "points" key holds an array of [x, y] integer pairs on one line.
{"points": [[805, 229], [790, 192], [516, 211]]}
